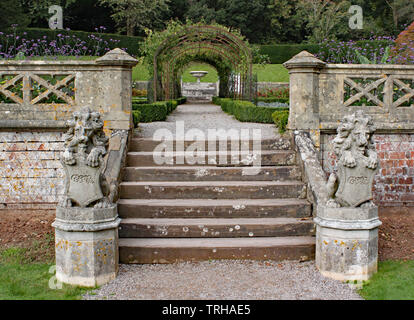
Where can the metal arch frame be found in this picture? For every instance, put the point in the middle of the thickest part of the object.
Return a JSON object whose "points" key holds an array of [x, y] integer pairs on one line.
{"points": [[170, 65], [188, 37]]}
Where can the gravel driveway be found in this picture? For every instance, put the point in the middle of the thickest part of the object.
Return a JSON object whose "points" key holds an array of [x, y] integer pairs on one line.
{"points": [[224, 280]]}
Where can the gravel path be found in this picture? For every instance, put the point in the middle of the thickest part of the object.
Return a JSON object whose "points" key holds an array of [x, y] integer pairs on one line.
{"points": [[225, 279], [204, 116]]}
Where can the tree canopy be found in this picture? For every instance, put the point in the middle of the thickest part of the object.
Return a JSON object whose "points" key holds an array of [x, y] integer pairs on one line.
{"points": [[260, 21]]}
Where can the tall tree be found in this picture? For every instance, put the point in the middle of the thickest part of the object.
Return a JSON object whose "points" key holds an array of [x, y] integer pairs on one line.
{"points": [[12, 12], [136, 14], [286, 25], [401, 10], [322, 17]]}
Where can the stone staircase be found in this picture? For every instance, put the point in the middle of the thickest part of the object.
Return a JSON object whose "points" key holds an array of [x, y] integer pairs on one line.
{"points": [[199, 212]]}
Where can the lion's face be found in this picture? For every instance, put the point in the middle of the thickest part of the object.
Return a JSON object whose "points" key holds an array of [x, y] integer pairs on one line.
{"points": [[360, 137]]}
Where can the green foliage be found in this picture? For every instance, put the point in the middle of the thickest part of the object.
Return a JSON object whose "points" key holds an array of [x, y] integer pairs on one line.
{"points": [[323, 18], [218, 53], [384, 59], [12, 12], [393, 281], [273, 99], [130, 44], [251, 17], [136, 14], [280, 118], [280, 53], [246, 111], [157, 111]]}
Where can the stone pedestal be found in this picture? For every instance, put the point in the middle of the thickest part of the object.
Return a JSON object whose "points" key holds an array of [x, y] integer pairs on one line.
{"points": [[86, 241], [347, 242]]}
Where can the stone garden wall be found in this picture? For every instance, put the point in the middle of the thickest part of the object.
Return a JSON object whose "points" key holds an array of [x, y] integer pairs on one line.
{"points": [[36, 99], [322, 94]]}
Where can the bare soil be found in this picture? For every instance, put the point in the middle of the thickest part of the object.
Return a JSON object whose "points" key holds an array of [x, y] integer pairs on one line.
{"points": [[396, 234], [32, 229]]}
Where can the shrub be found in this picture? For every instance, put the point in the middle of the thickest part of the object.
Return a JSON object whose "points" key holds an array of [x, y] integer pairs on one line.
{"points": [[47, 42], [347, 52], [282, 93], [136, 117], [139, 93], [280, 53], [157, 111], [139, 100], [246, 111], [273, 99], [280, 118], [403, 51]]}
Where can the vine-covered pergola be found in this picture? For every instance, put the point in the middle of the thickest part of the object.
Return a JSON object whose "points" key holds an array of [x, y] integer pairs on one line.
{"points": [[211, 44]]}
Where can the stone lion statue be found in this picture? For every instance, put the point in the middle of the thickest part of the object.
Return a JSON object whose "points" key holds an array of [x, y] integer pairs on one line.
{"points": [[353, 144], [86, 142], [85, 137]]}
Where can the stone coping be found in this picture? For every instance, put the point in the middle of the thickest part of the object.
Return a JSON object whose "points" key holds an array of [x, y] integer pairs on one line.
{"points": [[86, 219], [384, 127], [375, 67], [33, 124], [346, 218]]}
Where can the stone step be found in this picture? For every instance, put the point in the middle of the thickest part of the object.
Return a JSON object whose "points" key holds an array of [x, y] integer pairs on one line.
{"points": [[268, 158], [202, 208], [149, 145], [212, 190], [170, 250], [209, 173], [215, 228]]}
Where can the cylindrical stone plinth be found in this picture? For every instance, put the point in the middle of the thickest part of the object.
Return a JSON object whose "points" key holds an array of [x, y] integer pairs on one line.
{"points": [[347, 242], [86, 243]]}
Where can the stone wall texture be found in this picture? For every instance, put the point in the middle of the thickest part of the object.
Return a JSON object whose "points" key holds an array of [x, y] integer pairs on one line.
{"points": [[36, 99], [393, 184], [31, 177]]}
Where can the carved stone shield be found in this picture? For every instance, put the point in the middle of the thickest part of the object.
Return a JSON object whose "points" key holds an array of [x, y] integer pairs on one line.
{"points": [[355, 184], [83, 183]]}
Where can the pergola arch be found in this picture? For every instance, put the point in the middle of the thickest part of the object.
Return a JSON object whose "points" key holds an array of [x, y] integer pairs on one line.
{"points": [[214, 45]]}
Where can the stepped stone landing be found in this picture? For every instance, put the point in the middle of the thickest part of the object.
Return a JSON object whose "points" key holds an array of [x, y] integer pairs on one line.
{"points": [[187, 212]]}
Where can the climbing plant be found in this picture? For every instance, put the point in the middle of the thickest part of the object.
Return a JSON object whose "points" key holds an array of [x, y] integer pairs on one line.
{"points": [[167, 54]]}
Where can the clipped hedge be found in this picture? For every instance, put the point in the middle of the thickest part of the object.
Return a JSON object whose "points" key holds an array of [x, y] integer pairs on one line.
{"points": [[281, 53], [157, 111], [273, 99], [280, 118], [246, 111]]}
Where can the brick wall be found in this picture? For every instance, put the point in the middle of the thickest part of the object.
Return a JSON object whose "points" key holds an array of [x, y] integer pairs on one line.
{"points": [[393, 185], [31, 177]]}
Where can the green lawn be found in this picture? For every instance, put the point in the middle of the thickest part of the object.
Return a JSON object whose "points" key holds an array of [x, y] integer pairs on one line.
{"points": [[266, 73], [394, 281], [23, 279]]}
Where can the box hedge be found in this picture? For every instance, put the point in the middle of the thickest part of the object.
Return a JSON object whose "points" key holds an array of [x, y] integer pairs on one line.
{"points": [[157, 111], [280, 118], [246, 111]]}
